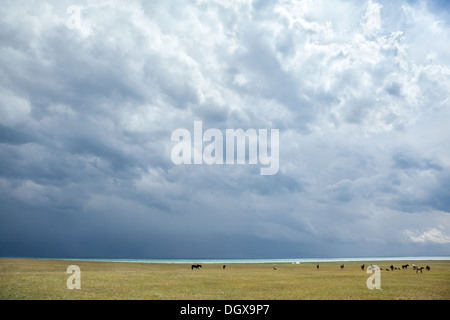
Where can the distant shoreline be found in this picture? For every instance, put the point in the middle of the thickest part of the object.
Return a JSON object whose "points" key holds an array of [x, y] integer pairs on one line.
{"points": [[221, 261]]}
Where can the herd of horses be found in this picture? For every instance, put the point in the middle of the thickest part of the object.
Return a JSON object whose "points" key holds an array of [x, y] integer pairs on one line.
{"points": [[404, 267], [392, 268]]}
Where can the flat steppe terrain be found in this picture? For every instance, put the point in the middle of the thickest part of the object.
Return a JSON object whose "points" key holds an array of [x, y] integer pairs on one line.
{"points": [[25, 279]]}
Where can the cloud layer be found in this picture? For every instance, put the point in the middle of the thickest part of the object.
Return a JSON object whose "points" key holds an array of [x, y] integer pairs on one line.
{"points": [[359, 92]]}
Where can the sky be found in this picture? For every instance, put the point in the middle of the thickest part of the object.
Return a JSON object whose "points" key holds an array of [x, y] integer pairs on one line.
{"points": [[91, 92]]}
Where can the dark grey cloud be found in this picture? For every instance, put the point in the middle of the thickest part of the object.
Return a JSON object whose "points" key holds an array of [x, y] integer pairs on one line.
{"points": [[359, 93]]}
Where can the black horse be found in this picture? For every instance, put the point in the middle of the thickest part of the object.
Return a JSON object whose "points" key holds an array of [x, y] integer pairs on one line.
{"points": [[196, 266]]}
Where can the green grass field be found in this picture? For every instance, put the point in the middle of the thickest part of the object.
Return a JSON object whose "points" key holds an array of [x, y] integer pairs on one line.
{"points": [[46, 279]]}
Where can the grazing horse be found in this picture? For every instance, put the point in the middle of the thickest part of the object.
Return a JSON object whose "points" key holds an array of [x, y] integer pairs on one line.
{"points": [[405, 266], [419, 269], [196, 266], [342, 266], [428, 268], [362, 267]]}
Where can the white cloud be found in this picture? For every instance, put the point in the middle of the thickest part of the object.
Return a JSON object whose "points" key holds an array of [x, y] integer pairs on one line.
{"points": [[372, 18], [433, 235]]}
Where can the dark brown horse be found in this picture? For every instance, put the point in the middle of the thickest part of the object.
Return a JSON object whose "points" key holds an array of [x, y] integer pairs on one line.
{"points": [[196, 266]]}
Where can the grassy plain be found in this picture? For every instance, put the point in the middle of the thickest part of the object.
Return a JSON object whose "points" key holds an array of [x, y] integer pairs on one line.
{"points": [[35, 279]]}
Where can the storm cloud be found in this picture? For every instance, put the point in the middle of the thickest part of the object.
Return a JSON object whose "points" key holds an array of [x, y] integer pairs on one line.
{"points": [[358, 91]]}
